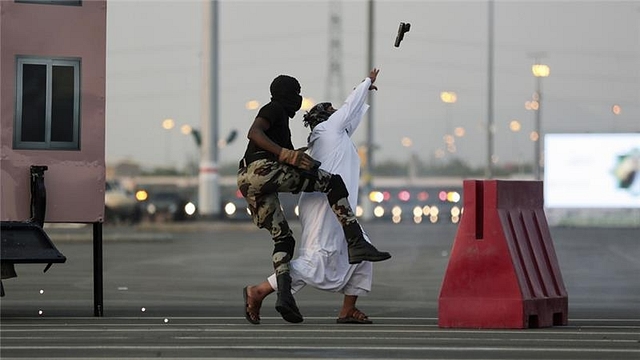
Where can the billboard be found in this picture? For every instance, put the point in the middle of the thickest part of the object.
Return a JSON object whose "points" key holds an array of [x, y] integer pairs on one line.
{"points": [[592, 170]]}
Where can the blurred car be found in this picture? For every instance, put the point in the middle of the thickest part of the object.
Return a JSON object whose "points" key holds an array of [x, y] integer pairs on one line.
{"points": [[120, 205], [168, 206]]}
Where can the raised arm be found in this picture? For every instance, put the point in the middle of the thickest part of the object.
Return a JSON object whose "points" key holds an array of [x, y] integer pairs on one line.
{"points": [[349, 115]]}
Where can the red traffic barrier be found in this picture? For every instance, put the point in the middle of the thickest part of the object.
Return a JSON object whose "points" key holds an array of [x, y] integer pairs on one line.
{"points": [[503, 271]]}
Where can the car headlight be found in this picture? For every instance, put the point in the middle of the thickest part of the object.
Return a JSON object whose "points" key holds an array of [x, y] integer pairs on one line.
{"points": [[190, 208], [151, 209], [230, 209]]}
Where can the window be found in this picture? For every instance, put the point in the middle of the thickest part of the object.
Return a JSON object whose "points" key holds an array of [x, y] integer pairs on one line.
{"points": [[52, 2], [47, 104]]}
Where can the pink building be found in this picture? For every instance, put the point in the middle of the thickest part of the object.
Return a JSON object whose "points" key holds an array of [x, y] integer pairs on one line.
{"points": [[52, 138], [52, 107]]}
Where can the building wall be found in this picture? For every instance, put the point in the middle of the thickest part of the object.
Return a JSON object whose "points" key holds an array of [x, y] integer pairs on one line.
{"points": [[75, 178]]}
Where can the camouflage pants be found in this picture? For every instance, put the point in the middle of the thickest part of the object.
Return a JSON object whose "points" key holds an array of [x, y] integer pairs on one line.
{"points": [[262, 180]]}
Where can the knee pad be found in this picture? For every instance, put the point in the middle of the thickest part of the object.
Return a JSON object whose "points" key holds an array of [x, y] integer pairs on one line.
{"points": [[337, 189]]}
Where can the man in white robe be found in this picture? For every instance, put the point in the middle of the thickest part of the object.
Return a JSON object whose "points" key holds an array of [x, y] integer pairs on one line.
{"points": [[322, 260]]}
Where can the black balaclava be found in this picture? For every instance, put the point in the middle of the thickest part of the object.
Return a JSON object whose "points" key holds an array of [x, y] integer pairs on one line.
{"points": [[286, 91]]}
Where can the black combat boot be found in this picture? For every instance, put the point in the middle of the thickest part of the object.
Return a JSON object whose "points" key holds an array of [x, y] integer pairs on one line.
{"points": [[359, 248], [286, 304]]}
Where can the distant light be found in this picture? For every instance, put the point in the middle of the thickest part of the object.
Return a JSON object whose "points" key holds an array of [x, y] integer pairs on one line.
{"points": [[186, 129], [417, 219], [406, 142], [531, 105], [190, 208], [540, 70], [423, 196], [396, 219], [442, 195], [404, 195], [455, 211], [239, 194], [307, 104], [449, 139], [426, 210], [168, 124], [359, 211], [386, 195], [142, 195], [434, 211], [376, 196], [448, 97], [453, 196], [417, 211], [396, 211], [616, 109], [252, 105], [230, 208], [459, 131], [378, 211], [296, 210], [533, 136], [515, 125]]}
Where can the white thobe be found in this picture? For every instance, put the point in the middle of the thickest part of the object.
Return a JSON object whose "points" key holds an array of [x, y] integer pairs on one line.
{"points": [[323, 260]]}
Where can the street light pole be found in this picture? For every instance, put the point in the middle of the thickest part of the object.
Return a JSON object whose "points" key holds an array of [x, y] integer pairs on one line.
{"points": [[208, 182], [539, 71]]}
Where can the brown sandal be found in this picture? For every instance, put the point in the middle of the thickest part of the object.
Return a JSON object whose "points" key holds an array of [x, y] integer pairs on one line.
{"points": [[355, 316], [249, 314]]}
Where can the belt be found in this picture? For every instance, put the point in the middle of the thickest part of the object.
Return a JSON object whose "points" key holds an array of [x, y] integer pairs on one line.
{"points": [[244, 162]]}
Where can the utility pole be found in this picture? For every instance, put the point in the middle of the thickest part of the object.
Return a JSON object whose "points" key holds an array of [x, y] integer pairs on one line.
{"points": [[368, 162], [490, 121], [335, 78], [208, 178]]}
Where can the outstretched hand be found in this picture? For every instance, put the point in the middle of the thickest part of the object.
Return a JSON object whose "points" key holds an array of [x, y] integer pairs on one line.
{"points": [[373, 75]]}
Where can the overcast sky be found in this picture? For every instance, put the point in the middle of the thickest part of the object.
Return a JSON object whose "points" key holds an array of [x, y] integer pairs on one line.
{"points": [[154, 55]]}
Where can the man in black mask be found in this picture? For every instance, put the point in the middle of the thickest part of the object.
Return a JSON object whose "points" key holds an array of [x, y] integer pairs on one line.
{"points": [[271, 165]]}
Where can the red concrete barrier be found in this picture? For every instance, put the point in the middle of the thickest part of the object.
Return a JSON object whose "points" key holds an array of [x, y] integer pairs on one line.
{"points": [[503, 271]]}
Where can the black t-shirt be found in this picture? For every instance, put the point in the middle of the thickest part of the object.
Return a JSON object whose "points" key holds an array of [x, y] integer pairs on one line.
{"points": [[279, 130]]}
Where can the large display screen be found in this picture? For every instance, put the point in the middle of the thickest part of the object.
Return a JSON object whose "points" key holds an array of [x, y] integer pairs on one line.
{"points": [[592, 170]]}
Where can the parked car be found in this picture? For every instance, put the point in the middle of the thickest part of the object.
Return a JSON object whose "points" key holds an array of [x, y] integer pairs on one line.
{"points": [[120, 205]]}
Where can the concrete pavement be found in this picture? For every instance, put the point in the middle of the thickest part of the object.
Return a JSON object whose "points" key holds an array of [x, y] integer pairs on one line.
{"points": [[174, 291]]}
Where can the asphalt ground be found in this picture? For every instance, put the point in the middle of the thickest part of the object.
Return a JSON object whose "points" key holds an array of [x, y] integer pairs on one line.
{"points": [[175, 291]]}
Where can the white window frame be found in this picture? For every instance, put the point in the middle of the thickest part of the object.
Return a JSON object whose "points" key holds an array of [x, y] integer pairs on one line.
{"points": [[47, 143]]}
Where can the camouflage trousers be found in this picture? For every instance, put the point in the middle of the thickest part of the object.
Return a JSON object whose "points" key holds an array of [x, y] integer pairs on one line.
{"points": [[262, 180]]}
